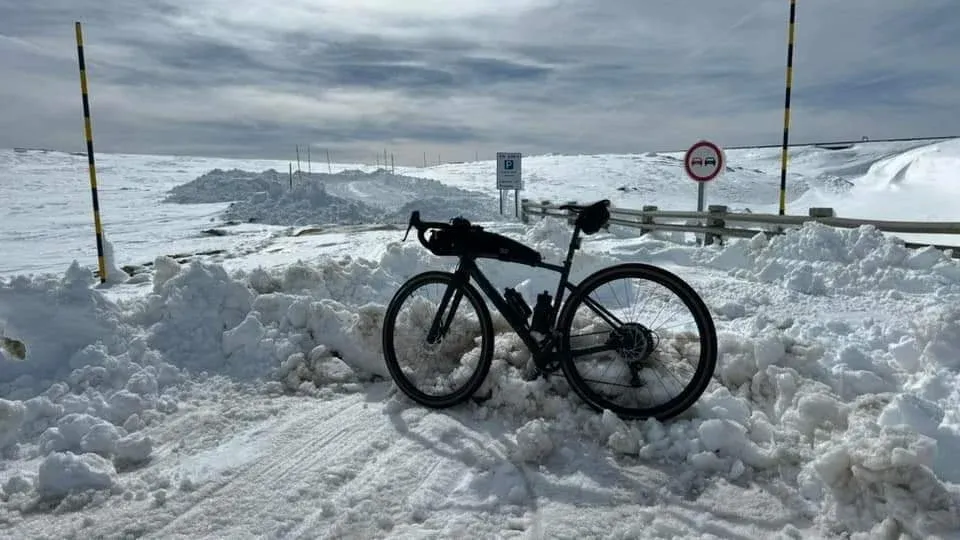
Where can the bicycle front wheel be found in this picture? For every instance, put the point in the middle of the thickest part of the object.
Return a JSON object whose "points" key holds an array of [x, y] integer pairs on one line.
{"points": [[437, 339], [637, 340]]}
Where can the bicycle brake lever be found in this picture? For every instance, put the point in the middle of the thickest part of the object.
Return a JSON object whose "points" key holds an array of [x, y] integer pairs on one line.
{"points": [[414, 218]]}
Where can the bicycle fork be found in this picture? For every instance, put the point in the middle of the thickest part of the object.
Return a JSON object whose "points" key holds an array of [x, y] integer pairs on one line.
{"points": [[440, 324]]}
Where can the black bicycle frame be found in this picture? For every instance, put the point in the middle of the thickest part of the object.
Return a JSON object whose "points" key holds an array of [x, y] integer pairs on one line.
{"points": [[467, 269]]}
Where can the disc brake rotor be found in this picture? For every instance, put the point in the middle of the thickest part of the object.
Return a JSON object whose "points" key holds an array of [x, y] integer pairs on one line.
{"points": [[634, 343]]}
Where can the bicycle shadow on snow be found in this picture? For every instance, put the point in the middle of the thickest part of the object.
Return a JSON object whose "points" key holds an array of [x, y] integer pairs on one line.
{"points": [[577, 475]]}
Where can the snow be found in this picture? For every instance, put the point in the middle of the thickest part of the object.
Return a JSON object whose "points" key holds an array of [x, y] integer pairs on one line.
{"points": [[347, 197], [232, 384]]}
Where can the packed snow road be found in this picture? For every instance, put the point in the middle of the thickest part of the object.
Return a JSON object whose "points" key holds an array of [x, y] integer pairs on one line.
{"points": [[362, 465]]}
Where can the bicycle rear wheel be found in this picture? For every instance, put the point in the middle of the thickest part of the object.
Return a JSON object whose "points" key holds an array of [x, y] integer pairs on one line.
{"points": [[631, 366], [438, 350]]}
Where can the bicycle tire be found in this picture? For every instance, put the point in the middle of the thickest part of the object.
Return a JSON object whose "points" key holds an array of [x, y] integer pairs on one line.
{"points": [[698, 309], [390, 354]]}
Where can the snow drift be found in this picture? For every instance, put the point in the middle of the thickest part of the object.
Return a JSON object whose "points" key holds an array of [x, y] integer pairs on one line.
{"points": [[861, 423], [348, 197]]}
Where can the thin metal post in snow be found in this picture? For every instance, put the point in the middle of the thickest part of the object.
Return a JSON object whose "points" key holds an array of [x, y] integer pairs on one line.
{"points": [[299, 173], [88, 129], [786, 109]]}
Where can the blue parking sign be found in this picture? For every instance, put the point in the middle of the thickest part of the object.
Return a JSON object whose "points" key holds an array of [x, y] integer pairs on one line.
{"points": [[508, 171]]}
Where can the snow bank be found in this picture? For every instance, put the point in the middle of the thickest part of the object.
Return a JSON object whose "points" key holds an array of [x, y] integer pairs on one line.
{"points": [[97, 373], [347, 197], [79, 389], [303, 205], [817, 259], [220, 185], [55, 318], [115, 274], [863, 421]]}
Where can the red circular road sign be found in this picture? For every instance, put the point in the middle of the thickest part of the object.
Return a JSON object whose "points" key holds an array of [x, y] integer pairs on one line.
{"points": [[703, 161]]}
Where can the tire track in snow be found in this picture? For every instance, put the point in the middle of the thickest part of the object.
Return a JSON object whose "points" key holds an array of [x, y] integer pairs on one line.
{"points": [[430, 474], [300, 442]]}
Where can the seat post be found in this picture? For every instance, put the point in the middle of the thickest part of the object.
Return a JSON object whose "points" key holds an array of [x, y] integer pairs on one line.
{"points": [[574, 245], [464, 266], [567, 263]]}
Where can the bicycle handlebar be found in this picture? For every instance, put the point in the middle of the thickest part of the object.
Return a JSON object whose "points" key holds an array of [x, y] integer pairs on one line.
{"points": [[423, 226]]}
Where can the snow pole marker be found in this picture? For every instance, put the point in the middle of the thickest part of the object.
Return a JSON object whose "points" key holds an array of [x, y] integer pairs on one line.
{"points": [[97, 225], [786, 109]]}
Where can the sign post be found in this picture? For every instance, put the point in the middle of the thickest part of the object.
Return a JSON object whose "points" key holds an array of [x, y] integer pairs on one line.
{"points": [[703, 162], [509, 178]]}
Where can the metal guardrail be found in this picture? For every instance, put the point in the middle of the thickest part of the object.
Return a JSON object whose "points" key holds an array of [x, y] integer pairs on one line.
{"points": [[714, 224]]}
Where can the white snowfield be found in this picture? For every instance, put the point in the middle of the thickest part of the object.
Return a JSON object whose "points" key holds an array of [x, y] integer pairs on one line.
{"points": [[231, 385]]}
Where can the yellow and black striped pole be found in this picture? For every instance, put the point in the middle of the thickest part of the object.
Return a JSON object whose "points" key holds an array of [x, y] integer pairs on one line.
{"points": [[786, 110], [98, 227]]}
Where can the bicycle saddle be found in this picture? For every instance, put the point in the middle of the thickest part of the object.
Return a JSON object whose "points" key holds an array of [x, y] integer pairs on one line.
{"points": [[590, 218]]}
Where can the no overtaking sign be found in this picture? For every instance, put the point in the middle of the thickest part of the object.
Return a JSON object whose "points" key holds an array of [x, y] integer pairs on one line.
{"points": [[704, 161]]}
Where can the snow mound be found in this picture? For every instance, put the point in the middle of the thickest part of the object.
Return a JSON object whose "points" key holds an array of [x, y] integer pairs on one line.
{"points": [[435, 208], [187, 314], [55, 318], [64, 472], [860, 429], [308, 204], [816, 258], [387, 190], [883, 473], [115, 274], [346, 197], [221, 185]]}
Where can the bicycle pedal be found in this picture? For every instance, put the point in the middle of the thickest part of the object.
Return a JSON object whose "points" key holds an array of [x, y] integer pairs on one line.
{"points": [[482, 398]]}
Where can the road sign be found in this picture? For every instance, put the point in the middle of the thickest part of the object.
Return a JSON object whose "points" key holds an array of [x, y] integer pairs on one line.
{"points": [[704, 161], [508, 171]]}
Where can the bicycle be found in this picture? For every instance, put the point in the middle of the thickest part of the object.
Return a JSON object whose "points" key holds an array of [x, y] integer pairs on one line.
{"points": [[547, 334]]}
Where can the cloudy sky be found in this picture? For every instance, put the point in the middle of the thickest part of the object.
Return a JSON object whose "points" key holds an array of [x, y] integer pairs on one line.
{"points": [[252, 78]]}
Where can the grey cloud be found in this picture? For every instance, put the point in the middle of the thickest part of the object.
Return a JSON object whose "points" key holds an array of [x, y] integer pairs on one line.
{"points": [[606, 75]]}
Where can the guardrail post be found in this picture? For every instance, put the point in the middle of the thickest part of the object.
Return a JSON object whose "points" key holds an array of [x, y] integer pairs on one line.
{"points": [[818, 212], [543, 208], [572, 216], [647, 220], [524, 218], [715, 219]]}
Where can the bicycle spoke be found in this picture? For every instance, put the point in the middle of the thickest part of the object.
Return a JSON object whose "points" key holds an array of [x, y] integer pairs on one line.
{"points": [[603, 312], [642, 353], [438, 348]]}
